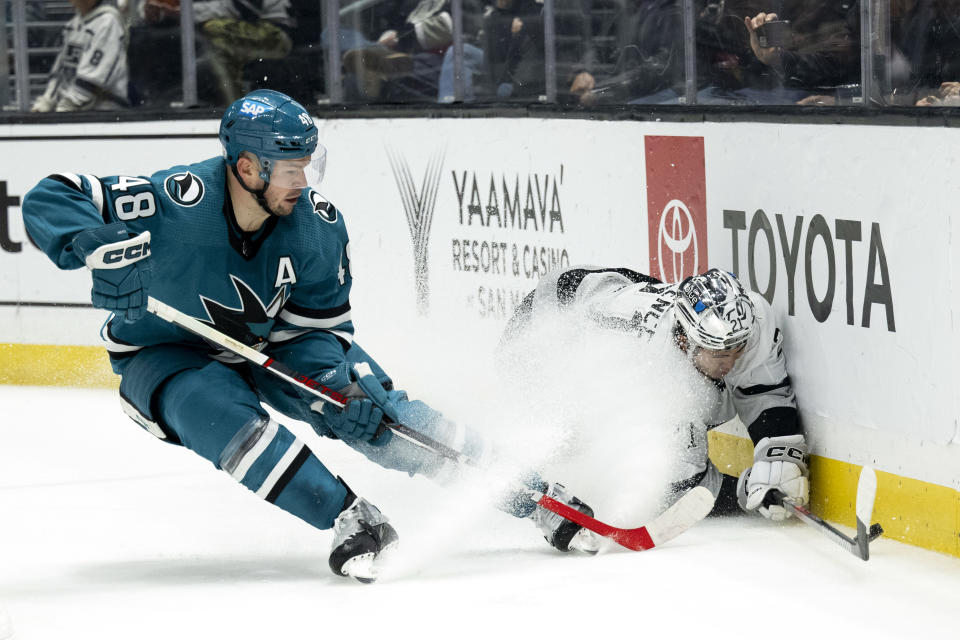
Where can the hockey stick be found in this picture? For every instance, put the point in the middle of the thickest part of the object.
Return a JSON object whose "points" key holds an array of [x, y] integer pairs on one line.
{"points": [[859, 545], [222, 340], [692, 507]]}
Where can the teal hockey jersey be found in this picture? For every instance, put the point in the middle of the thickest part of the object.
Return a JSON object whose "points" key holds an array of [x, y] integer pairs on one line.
{"points": [[289, 278]]}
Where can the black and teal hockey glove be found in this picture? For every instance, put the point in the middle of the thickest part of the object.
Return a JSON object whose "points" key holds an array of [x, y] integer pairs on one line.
{"points": [[368, 403], [118, 261]]}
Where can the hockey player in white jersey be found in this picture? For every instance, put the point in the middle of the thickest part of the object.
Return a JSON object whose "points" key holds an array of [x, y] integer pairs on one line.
{"points": [[730, 336], [90, 71]]}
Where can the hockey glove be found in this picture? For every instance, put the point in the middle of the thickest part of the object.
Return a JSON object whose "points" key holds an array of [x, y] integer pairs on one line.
{"points": [[119, 263], [367, 402], [778, 464]]}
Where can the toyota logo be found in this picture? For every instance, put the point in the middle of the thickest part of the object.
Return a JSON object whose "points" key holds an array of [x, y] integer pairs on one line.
{"points": [[677, 234]]}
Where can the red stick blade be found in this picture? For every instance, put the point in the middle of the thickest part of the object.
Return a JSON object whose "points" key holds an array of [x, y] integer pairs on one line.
{"points": [[633, 539]]}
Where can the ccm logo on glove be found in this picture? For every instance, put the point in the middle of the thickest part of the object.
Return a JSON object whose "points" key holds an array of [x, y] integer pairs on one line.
{"points": [[132, 254], [117, 255], [789, 452]]}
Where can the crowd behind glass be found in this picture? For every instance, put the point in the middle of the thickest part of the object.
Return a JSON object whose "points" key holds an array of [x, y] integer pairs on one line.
{"points": [[61, 55]]}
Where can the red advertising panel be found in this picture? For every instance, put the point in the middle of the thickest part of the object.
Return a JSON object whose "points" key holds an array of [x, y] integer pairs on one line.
{"points": [[676, 206]]}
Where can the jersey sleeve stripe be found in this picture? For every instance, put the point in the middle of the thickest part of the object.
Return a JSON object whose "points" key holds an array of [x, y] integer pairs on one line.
{"points": [[98, 197], [314, 322], [279, 337], [764, 388], [345, 339], [116, 347], [71, 180], [97, 193], [317, 313], [288, 334], [344, 336], [774, 422]]}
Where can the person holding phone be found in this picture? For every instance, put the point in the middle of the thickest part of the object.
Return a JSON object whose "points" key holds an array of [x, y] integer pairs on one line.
{"points": [[812, 48]]}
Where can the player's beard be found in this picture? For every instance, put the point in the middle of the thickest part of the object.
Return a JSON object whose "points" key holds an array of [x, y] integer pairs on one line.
{"points": [[281, 201]]}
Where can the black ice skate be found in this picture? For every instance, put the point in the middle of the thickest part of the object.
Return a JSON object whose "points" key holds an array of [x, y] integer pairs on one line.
{"points": [[560, 532], [361, 534]]}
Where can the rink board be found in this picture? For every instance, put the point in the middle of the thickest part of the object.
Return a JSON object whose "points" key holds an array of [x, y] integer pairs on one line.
{"points": [[920, 513], [846, 229]]}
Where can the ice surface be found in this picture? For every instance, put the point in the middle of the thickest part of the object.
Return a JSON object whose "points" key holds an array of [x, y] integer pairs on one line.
{"points": [[105, 532]]}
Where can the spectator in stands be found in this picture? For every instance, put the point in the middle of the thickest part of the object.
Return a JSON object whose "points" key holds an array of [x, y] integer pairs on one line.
{"points": [[513, 51], [472, 69], [38, 12], [404, 63], [817, 60], [473, 60], [925, 53], [948, 95], [154, 59], [820, 52], [513, 36], [159, 12], [235, 32], [648, 59], [90, 71]]}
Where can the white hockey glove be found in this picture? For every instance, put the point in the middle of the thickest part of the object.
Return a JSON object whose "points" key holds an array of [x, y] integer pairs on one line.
{"points": [[778, 464]]}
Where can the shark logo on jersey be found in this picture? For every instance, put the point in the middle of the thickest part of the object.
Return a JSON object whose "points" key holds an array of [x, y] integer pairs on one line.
{"points": [[184, 188], [251, 323], [323, 208]]}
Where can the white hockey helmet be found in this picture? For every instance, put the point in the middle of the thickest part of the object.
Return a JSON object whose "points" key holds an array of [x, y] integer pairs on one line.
{"points": [[714, 310]]}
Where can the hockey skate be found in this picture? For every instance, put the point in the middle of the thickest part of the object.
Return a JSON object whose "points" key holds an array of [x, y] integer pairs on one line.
{"points": [[361, 535], [560, 532]]}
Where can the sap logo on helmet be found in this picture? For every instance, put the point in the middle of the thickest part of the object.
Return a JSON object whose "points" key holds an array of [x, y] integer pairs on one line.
{"points": [[323, 208], [306, 120], [184, 188], [253, 108]]}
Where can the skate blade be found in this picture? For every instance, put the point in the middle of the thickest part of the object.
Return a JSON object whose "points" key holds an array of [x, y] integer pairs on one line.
{"points": [[361, 568], [585, 541], [365, 567], [387, 552]]}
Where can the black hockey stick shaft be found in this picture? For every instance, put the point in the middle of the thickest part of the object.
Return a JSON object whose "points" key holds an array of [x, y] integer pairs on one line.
{"points": [[857, 546], [279, 369]]}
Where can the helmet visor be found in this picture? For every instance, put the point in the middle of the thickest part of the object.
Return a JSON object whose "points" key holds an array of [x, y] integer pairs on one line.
{"points": [[299, 173]]}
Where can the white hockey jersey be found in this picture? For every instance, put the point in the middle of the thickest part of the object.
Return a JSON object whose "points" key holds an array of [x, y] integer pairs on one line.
{"points": [[757, 388], [90, 71]]}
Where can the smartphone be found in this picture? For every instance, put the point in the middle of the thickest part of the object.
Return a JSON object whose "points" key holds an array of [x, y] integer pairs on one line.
{"points": [[775, 33]]}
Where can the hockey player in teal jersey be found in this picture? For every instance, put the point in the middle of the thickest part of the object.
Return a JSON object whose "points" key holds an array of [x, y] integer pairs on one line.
{"points": [[246, 243]]}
